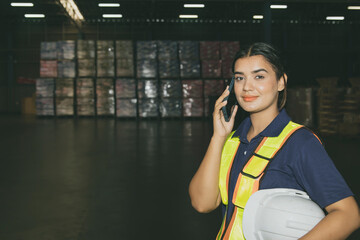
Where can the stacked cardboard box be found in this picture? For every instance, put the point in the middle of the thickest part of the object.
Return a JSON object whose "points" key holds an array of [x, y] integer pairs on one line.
{"points": [[168, 59], [126, 102], [66, 50], [212, 88], [48, 68], [126, 107], [124, 59], [105, 58], [170, 107], [228, 49], [45, 86], [148, 98], [170, 93], [171, 89], [86, 67], [64, 97], [146, 52], [189, 59], [48, 50], [66, 69], [300, 102], [66, 56], [85, 97], [147, 68], [148, 107], [169, 68], [86, 58], [193, 101], [350, 109], [85, 49], [48, 62], [210, 59], [211, 68], [328, 105], [164, 60], [45, 96], [105, 101], [227, 52]]}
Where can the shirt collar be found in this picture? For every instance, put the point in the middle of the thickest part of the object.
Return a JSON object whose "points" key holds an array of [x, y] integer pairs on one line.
{"points": [[272, 130]]}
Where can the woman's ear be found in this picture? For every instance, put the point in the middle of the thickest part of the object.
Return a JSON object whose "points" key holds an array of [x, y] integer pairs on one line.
{"points": [[282, 82]]}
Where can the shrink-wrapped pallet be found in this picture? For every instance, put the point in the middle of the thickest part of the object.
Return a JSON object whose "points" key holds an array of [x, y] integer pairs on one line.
{"points": [[171, 89], [148, 107], [170, 107], [147, 89], [126, 107], [193, 107], [125, 88], [192, 88]]}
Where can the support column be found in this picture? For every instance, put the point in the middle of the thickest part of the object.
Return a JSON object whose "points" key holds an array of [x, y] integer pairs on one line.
{"points": [[267, 22], [10, 72]]}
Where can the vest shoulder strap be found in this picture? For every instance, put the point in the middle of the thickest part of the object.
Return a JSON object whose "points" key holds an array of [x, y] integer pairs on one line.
{"points": [[271, 145], [227, 157]]}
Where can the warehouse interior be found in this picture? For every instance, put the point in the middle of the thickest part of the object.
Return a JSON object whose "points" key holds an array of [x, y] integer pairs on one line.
{"points": [[105, 116]]}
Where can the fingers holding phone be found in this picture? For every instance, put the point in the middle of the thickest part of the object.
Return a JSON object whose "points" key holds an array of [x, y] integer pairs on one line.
{"points": [[225, 111]]}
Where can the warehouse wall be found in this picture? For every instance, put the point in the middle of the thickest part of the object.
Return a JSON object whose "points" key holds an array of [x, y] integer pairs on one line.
{"points": [[312, 49]]}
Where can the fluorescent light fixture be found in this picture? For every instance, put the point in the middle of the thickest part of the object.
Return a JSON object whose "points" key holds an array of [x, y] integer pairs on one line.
{"points": [[109, 4], [34, 15], [278, 6], [23, 4], [188, 16], [194, 5], [335, 18], [72, 9], [353, 7], [258, 17], [112, 15]]}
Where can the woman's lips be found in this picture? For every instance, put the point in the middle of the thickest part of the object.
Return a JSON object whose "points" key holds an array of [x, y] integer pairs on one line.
{"points": [[249, 98]]}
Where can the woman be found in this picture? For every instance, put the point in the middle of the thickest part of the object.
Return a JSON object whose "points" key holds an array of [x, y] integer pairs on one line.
{"points": [[299, 163]]}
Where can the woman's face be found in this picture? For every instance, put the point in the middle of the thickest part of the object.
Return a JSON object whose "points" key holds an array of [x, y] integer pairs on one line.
{"points": [[256, 86]]}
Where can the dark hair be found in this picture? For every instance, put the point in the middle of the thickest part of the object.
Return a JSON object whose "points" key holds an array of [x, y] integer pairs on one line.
{"points": [[272, 55]]}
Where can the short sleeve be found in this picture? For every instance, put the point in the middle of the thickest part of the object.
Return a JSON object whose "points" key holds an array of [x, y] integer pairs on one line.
{"points": [[317, 174]]}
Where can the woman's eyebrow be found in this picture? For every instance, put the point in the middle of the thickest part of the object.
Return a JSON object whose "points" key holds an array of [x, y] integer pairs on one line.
{"points": [[253, 72], [239, 73], [259, 70]]}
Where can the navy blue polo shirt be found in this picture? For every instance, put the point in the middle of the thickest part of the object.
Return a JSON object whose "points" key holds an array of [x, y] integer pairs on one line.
{"points": [[301, 164]]}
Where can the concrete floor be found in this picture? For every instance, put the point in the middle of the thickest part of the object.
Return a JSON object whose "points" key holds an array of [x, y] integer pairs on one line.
{"points": [[107, 179]]}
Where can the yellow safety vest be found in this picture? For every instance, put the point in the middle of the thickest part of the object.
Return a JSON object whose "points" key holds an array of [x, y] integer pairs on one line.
{"points": [[248, 180]]}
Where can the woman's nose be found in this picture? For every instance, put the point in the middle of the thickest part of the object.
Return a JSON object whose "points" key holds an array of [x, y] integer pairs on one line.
{"points": [[247, 85]]}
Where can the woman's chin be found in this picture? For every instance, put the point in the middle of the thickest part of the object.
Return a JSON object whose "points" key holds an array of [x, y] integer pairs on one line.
{"points": [[249, 107]]}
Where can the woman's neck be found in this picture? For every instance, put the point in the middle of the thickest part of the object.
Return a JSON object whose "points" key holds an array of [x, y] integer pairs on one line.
{"points": [[260, 120]]}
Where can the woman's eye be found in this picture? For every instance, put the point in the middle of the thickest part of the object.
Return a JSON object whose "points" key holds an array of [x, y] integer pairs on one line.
{"points": [[239, 78], [259, 77]]}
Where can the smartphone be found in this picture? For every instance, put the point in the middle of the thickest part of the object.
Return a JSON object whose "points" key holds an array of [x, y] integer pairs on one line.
{"points": [[231, 102]]}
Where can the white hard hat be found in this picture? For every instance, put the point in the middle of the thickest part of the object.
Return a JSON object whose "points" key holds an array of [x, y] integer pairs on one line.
{"points": [[279, 214]]}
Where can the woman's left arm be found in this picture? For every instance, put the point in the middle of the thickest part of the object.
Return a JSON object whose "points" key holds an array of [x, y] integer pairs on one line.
{"points": [[342, 219]]}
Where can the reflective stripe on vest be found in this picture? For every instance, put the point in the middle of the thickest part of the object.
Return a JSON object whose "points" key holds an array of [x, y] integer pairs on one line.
{"points": [[248, 180]]}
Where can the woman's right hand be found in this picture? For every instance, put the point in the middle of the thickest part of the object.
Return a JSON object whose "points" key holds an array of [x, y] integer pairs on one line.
{"points": [[221, 127]]}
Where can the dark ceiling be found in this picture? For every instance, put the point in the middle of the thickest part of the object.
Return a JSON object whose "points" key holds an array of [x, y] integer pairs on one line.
{"points": [[168, 10]]}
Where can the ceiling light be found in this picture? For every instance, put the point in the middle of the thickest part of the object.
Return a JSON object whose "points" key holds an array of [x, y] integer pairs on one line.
{"points": [[335, 18], [278, 6], [34, 15], [23, 4], [194, 5], [258, 17], [188, 16], [112, 15], [109, 4], [353, 7], [72, 10]]}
